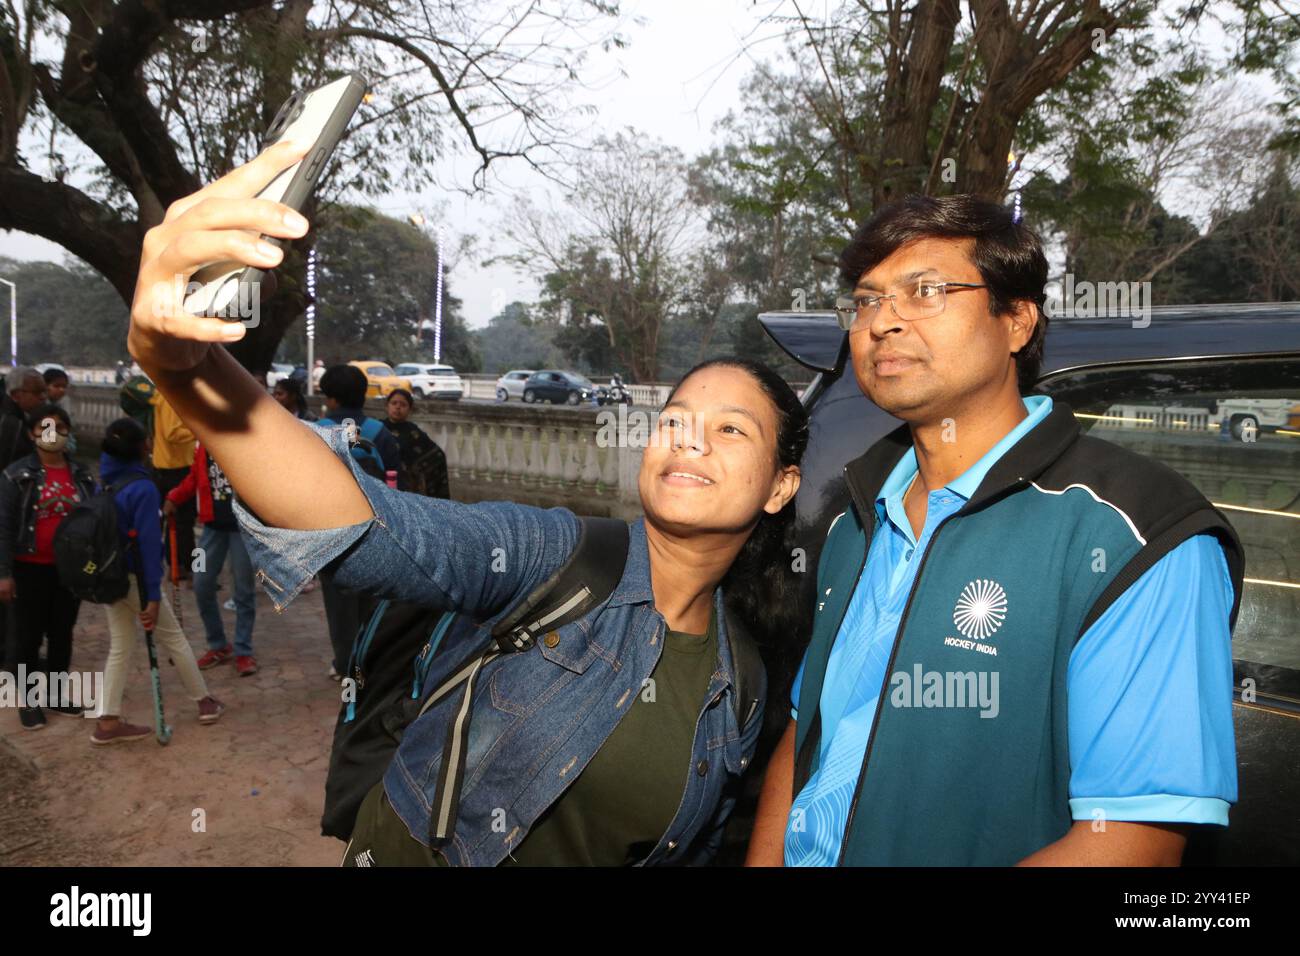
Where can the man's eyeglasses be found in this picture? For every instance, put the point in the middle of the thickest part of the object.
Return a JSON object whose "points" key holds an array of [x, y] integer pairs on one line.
{"points": [[922, 301]]}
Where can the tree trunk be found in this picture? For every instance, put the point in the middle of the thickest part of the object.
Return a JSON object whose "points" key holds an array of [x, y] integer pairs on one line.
{"points": [[911, 92]]}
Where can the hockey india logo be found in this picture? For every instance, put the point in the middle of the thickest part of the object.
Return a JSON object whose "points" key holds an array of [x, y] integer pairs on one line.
{"points": [[980, 609]]}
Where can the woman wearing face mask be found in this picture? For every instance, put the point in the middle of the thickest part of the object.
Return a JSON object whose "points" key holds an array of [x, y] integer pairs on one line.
{"points": [[36, 493]]}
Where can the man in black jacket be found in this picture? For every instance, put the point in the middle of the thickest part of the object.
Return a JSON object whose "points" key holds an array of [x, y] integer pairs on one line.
{"points": [[24, 391]]}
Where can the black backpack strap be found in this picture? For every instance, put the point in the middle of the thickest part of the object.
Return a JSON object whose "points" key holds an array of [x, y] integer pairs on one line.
{"points": [[586, 579], [117, 486], [750, 672]]}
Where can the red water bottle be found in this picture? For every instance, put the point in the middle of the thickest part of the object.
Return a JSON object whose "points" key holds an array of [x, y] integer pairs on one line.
{"points": [[390, 477]]}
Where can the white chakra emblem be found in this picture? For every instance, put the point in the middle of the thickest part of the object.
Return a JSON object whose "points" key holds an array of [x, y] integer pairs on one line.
{"points": [[980, 609]]}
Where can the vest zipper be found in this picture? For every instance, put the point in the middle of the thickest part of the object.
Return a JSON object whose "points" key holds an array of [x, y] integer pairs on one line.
{"points": [[880, 700], [816, 742], [893, 654]]}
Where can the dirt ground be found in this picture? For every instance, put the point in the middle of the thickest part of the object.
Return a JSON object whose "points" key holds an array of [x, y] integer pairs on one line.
{"points": [[257, 775]]}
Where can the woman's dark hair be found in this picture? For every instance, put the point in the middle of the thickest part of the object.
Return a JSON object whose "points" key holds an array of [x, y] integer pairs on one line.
{"points": [[1008, 255], [761, 588], [125, 440], [293, 387], [346, 384], [404, 393], [44, 411]]}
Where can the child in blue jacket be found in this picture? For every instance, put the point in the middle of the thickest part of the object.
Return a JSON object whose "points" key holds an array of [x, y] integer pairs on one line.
{"points": [[125, 449]]}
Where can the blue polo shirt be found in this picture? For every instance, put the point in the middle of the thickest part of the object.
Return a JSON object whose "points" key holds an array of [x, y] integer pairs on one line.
{"points": [[1149, 711]]}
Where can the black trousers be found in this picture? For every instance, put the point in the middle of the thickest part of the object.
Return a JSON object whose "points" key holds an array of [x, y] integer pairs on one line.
{"points": [[44, 609], [166, 479], [343, 615]]}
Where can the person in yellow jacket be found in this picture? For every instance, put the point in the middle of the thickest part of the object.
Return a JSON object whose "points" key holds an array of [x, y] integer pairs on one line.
{"points": [[173, 456]]}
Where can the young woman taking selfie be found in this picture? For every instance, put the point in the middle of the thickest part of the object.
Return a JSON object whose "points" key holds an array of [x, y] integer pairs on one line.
{"points": [[566, 759]]}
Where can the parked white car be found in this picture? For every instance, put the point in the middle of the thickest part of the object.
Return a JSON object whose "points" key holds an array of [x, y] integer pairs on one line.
{"points": [[432, 381], [511, 384], [277, 371]]}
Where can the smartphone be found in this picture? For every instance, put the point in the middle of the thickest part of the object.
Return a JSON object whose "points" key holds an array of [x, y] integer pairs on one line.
{"points": [[229, 290]]}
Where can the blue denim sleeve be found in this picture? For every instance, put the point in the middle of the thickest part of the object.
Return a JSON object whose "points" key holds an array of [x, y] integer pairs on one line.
{"points": [[479, 558]]}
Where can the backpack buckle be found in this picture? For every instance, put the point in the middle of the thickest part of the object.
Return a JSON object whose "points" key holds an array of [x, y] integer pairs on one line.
{"points": [[519, 639]]}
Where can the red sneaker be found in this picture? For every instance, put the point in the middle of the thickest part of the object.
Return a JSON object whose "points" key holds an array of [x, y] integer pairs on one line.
{"points": [[213, 658], [120, 732], [246, 665], [210, 710]]}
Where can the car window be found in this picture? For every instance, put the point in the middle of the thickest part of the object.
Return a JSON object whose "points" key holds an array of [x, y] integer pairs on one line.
{"points": [[380, 370], [408, 370], [1232, 428]]}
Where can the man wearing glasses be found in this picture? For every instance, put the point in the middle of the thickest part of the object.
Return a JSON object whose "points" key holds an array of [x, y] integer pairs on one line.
{"points": [[1020, 651], [24, 391]]}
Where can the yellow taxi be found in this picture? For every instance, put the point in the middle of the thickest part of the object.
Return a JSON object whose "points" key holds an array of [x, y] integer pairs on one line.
{"points": [[381, 379]]}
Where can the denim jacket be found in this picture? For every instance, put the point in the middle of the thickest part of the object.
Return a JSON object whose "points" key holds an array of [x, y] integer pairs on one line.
{"points": [[540, 715]]}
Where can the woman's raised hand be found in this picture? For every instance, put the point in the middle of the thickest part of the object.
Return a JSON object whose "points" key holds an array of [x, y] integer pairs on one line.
{"points": [[222, 221]]}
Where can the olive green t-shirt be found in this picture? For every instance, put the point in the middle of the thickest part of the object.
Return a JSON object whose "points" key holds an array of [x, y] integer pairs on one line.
{"points": [[623, 801]]}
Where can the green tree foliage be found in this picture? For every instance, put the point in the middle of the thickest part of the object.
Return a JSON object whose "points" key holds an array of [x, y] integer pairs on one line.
{"points": [[513, 340], [68, 314], [375, 287]]}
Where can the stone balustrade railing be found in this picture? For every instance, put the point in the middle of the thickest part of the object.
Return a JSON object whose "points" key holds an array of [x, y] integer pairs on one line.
{"points": [[542, 455]]}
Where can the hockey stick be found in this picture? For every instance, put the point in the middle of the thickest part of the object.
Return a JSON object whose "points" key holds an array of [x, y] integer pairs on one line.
{"points": [[175, 573], [160, 728]]}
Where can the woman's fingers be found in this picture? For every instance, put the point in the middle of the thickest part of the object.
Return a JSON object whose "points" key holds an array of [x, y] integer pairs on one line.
{"points": [[179, 324], [255, 215], [194, 248], [245, 181], [223, 222]]}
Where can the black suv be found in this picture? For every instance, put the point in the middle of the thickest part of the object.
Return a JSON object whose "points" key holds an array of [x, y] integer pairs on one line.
{"points": [[1213, 392]]}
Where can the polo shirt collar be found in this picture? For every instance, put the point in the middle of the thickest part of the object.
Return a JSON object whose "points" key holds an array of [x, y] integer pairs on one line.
{"points": [[1037, 407]]}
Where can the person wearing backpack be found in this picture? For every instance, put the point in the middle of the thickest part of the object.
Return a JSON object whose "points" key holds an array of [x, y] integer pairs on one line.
{"points": [[376, 449], [376, 452], [122, 468], [36, 493]]}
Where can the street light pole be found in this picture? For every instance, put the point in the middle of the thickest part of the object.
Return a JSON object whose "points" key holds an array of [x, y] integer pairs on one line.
{"points": [[437, 305], [13, 322], [418, 219], [311, 320]]}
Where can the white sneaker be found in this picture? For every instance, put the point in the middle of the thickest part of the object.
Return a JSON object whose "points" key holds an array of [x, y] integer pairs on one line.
{"points": [[229, 605]]}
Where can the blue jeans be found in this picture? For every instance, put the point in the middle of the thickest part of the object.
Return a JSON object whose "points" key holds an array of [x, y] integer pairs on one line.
{"points": [[216, 545]]}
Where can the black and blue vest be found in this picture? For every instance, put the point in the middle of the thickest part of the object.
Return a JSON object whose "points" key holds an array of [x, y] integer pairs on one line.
{"points": [[1059, 528]]}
